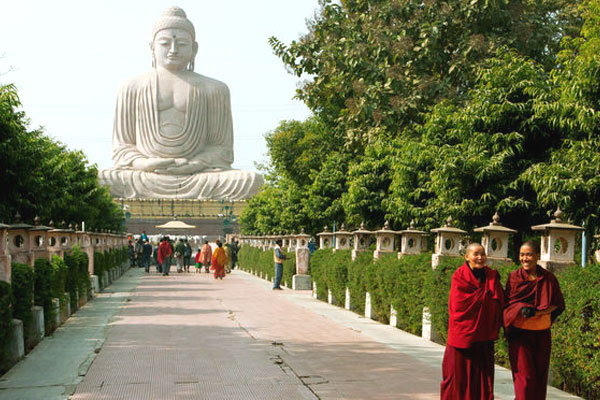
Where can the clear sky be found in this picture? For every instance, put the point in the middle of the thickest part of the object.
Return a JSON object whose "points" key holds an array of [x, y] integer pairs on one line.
{"points": [[67, 58]]}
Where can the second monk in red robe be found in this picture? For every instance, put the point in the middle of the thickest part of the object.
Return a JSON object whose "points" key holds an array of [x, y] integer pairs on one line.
{"points": [[534, 300]]}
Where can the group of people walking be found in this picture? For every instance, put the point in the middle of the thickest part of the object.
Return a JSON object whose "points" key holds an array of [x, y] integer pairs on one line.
{"points": [[222, 260], [478, 306]]}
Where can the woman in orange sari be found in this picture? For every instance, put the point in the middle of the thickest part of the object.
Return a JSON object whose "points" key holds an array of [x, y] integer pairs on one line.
{"points": [[219, 259]]}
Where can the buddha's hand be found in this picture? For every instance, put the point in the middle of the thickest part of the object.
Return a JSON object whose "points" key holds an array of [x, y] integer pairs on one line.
{"points": [[152, 164], [182, 166]]}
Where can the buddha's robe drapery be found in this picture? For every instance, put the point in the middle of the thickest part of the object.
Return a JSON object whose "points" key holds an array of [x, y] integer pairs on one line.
{"points": [[206, 136], [529, 350], [475, 317]]}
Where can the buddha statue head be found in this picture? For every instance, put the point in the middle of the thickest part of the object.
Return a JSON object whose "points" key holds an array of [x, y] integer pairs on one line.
{"points": [[173, 44]]}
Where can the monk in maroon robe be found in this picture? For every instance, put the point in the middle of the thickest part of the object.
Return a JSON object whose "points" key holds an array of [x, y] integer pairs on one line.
{"points": [[475, 305], [534, 300]]}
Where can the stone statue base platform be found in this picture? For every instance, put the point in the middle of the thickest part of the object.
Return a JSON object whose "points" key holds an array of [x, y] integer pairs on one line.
{"points": [[230, 184], [211, 217]]}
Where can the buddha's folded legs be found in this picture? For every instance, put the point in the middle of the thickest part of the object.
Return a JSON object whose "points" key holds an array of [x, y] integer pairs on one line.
{"points": [[229, 185]]}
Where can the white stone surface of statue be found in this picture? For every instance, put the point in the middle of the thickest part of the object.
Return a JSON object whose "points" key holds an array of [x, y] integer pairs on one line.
{"points": [[173, 129]]}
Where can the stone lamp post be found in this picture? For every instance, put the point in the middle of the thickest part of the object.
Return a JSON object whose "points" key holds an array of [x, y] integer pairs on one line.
{"points": [[495, 241], [18, 241], [88, 248], [447, 242], [361, 240], [302, 240], [342, 239], [413, 241], [5, 257], [385, 240], [325, 238], [301, 280], [38, 238], [558, 242], [285, 239]]}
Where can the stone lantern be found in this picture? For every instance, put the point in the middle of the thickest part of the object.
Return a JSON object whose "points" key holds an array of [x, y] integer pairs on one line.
{"points": [[5, 258], [38, 238], [285, 240], [558, 242], [342, 239], [447, 242], [413, 241], [301, 280], [325, 238], [361, 240], [302, 240], [495, 241], [58, 241], [85, 241], [18, 241], [386, 240]]}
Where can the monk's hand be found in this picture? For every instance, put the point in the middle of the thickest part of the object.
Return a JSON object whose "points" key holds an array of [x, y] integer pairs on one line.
{"points": [[528, 312], [152, 164]]}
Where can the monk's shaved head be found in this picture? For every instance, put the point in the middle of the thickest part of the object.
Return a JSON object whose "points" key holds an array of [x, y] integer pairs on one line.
{"points": [[473, 246]]}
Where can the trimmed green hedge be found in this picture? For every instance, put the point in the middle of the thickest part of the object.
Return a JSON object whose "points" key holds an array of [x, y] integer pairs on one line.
{"points": [[22, 283], [6, 310], [59, 283], [108, 260], [43, 291], [78, 281], [575, 337]]}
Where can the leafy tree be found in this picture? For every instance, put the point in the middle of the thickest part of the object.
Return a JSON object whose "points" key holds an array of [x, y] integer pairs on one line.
{"points": [[42, 177], [570, 177], [466, 161], [376, 65]]}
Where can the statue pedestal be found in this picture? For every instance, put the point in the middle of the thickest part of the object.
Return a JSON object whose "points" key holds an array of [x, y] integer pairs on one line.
{"points": [[212, 218]]}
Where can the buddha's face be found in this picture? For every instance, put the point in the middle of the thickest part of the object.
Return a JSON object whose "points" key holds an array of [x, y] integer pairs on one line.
{"points": [[173, 49]]}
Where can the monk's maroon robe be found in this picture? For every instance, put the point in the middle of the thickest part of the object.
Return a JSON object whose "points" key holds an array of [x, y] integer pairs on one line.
{"points": [[475, 319], [529, 350]]}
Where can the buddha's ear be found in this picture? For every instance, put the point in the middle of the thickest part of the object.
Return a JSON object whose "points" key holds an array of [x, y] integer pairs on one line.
{"points": [[194, 49]]}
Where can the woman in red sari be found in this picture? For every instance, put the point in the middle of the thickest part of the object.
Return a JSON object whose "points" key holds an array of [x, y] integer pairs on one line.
{"points": [[475, 306], [219, 259], [534, 300]]}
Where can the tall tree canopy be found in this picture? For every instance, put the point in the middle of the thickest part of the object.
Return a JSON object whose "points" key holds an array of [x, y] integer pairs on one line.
{"points": [[443, 108], [41, 177]]}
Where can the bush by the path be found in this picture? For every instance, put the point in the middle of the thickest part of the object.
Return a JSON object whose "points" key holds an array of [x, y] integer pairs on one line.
{"points": [[22, 283], [6, 313], [43, 290]]}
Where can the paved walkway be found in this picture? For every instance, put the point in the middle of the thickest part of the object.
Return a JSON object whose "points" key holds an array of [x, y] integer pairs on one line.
{"points": [[188, 336]]}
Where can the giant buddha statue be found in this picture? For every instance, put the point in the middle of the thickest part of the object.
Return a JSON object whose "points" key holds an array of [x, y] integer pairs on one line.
{"points": [[173, 130]]}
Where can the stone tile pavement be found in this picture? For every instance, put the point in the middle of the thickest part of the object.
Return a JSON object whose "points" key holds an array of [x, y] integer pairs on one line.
{"points": [[187, 336]]}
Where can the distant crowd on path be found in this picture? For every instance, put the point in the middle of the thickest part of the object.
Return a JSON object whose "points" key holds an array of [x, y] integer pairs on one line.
{"points": [[478, 307], [222, 260]]}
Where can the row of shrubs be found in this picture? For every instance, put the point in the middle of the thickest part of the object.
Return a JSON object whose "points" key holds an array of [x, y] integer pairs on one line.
{"points": [[258, 261], [48, 280], [107, 260], [410, 284]]}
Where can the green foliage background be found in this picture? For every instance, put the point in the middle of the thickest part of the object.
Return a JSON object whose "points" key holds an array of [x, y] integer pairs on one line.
{"points": [[41, 177], [424, 110]]}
